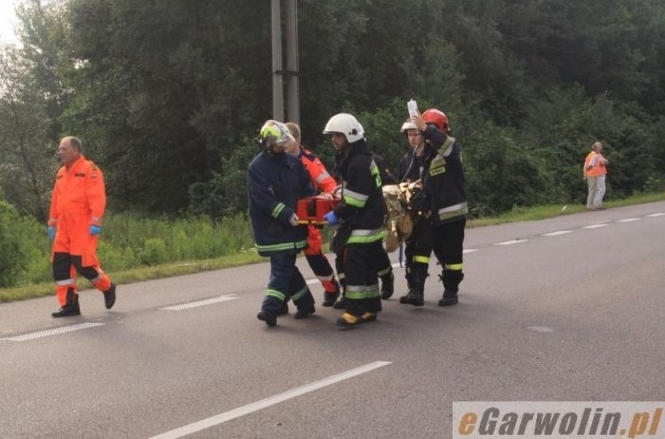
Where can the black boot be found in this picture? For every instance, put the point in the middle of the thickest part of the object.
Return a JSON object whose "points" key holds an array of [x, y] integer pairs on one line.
{"points": [[109, 297], [451, 280], [268, 317], [71, 308], [416, 297], [304, 312], [409, 283], [330, 298], [387, 285]]}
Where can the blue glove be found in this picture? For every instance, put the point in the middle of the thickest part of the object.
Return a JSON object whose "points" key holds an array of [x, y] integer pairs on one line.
{"points": [[95, 230], [51, 232], [331, 218]]}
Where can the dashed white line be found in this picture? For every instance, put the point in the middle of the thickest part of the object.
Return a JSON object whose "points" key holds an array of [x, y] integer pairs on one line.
{"points": [[50, 332], [595, 226], [219, 299], [653, 215], [514, 241], [470, 250], [561, 232], [256, 406], [628, 220]]}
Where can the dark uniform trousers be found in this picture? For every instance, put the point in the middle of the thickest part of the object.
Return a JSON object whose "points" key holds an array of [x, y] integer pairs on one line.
{"points": [[417, 252], [286, 282], [361, 279], [448, 247]]}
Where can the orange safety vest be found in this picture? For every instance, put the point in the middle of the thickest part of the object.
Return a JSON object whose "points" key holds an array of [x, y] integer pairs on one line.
{"points": [[317, 172], [597, 169]]}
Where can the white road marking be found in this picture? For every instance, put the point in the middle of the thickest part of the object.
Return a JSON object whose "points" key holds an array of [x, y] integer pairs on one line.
{"points": [[653, 215], [561, 232], [595, 226], [50, 332], [540, 328], [470, 250], [514, 241], [219, 299], [628, 220], [256, 406]]}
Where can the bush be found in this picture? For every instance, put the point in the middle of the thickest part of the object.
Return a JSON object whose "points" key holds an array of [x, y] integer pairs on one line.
{"points": [[13, 256]]}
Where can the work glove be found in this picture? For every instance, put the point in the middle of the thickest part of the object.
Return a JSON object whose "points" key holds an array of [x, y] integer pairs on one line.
{"points": [[331, 218], [51, 232], [294, 220], [95, 230]]}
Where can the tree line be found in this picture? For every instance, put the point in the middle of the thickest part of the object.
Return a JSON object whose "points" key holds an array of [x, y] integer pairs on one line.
{"points": [[168, 95]]}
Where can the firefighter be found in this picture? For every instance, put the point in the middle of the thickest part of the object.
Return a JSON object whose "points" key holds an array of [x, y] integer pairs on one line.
{"points": [[75, 222], [382, 260], [358, 240], [323, 183], [442, 202], [418, 245], [276, 181]]}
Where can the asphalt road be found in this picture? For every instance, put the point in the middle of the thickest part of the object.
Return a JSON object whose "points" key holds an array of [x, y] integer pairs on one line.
{"points": [[568, 309]]}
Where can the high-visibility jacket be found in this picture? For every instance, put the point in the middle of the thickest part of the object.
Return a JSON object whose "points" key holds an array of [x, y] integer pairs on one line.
{"points": [[321, 179], [79, 190], [598, 168], [79, 201]]}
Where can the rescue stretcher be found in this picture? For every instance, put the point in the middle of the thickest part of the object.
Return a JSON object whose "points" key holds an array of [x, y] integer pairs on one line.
{"points": [[311, 210]]}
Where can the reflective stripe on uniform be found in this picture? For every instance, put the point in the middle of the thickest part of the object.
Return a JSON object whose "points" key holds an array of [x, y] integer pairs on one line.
{"points": [[362, 291], [363, 236], [300, 293], [421, 259], [65, 282], [452, 211], [354, 198], [276, 294], [277, 210], [453, 267], [321, 178], [279, 247]]}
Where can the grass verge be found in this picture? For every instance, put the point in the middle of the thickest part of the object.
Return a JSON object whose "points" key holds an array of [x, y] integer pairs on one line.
{"points": [[245, 258]]}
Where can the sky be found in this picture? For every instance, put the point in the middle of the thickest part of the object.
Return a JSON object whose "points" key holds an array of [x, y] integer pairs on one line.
{"points": [[7, 21]]}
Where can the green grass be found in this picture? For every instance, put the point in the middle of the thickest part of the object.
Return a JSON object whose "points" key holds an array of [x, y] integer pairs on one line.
{"points": [[544, 212], [236, 235], [137, 275]]}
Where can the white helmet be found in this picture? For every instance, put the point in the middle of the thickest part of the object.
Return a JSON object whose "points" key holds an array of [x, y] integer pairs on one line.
{"points": [[274, 133], [346, 124], [408, 125]]}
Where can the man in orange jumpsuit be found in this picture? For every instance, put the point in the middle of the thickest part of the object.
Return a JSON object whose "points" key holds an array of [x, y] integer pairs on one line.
{"points": [[322, 181], [77, 209]]}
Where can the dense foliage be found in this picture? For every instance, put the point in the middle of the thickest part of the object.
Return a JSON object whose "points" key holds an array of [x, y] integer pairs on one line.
{"points": [[167, 95]]}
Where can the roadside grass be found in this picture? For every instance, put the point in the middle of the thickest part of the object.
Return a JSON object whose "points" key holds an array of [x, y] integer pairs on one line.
{"points": [[519, 214], [237, 233]]}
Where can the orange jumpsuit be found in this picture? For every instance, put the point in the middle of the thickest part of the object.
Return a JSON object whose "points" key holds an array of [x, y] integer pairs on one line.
{"points": [[79, 201], [321, 180]]}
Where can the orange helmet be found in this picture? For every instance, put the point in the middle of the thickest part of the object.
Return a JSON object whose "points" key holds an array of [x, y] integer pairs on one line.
{"points": [[437, 118]]}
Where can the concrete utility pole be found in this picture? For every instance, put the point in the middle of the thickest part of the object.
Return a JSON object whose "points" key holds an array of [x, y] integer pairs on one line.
{"points": [[277, 80], [292, 62]]}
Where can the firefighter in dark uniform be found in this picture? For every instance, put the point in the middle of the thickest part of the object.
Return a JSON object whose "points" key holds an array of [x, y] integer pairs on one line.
{"points": [[410, 170], [358, 241], [276, 181], [443, 204]]}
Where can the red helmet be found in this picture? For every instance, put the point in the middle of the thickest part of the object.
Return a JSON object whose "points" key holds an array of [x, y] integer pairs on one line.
{"points": [[437, 118]]}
